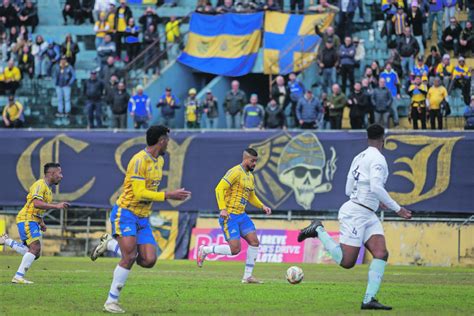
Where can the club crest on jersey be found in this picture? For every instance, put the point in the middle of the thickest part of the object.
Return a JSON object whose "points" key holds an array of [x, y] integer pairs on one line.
{"points": [[293, 165]]}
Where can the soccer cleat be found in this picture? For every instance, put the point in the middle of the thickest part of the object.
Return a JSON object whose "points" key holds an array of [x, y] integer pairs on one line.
{"points": [[310, 231], [201, 256], [374, 304], [251, 280], [101, 247], [113, 308], [3, 238], [16, 280]]}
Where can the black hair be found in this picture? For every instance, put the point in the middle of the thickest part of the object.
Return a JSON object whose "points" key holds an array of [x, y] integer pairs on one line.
{"points": [[375, 131], [154, 133], [50, 165], [252, 152]]}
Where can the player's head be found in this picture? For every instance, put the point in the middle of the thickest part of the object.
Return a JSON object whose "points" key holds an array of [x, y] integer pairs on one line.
{"points": [[250, 159], [157, 137], [375, 134], [52, 171]]}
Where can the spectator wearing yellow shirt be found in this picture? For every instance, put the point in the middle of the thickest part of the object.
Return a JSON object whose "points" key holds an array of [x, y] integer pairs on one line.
{"points": [[418, 92], [191, 110], [26, 62], [122, 15], [13, 113], [445, 70], [101, 28], [462, 80], [437, 95], [111, 17], [12, 78], [172, 37]]}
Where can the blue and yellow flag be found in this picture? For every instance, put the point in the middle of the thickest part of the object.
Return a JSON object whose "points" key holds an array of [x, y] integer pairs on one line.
{"points": [[290, 42], [224, 44]]}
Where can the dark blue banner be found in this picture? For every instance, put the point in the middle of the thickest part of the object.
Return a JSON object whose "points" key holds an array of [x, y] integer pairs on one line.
{"points": [[296, 171]]}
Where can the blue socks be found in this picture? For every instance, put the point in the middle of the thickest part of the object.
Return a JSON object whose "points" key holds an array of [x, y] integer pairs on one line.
{"points": [[376, 271], [330, 245]]}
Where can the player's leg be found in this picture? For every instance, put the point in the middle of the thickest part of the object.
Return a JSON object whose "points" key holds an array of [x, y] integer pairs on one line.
{"points": [[146, 244], [15, 245], [124, 229], [248, 232], [346, 252], [375, 243], [30, 234], [230, 228]]}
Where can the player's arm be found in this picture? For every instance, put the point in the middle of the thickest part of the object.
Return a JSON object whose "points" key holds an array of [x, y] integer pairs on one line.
{"points": [[378, 188], [255, 201], [39, 203], [142, 193]]}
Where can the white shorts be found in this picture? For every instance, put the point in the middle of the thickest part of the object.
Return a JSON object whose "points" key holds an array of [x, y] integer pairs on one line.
{"points": [[357, 224]]}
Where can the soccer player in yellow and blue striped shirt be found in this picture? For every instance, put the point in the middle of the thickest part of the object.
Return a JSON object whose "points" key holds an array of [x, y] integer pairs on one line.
{"points": [[30, 219], [235, 190], [131, 229]]}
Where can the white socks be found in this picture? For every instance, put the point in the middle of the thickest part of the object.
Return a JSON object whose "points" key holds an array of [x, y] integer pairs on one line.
{"points": [[120, 277], [330, 245], [18, 247], [252, 253], [26, 262], [218, 250], [113, 246], [376, 271]]}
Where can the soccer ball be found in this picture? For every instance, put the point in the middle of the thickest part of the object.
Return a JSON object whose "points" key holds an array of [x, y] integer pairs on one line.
{"points": [[294, 275]]}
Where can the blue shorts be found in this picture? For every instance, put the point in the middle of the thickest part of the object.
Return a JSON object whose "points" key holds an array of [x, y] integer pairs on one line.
{"points": [[236, 226], [29, 232], [125, 223]]}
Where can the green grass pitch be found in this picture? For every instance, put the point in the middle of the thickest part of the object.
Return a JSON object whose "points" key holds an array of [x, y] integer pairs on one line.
{"points": [[77, 286]]}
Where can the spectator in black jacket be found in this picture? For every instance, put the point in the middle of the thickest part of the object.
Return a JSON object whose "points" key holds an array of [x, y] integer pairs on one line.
{"points": [[119, 104], [347, 60], [328, 60], [415, 19], [29, 15], [359, 103], [274, 116], [149, 18], [466, 42], [93, 91], [280, 92], [70, 49], [432, 61], [450, 38], [408, 49], [71, 9], [8, 14], [87, 11], [26, 63], [151, 38]]}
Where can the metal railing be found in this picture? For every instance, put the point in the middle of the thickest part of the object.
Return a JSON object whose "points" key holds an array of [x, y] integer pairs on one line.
{"points": [[150, 58]]}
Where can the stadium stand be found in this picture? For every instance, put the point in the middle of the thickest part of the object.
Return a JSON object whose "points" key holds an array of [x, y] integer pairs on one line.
{"points": [[155, 67]]}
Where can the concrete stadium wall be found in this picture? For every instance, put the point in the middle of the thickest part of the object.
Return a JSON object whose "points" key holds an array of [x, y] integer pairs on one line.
{"points": [[409, 243]]}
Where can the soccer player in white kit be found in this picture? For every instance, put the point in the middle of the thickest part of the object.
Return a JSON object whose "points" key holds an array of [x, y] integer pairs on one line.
{"points": [[357, 219]]}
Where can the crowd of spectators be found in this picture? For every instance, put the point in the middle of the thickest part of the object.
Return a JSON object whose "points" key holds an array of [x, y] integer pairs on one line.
{"points": [[374, 97]]}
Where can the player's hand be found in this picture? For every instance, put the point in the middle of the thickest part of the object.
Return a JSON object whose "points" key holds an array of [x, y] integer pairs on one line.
{"points": [[224, 214], [180, 195], [267, 210], [43, 227], [62, 205], [404, 213]]}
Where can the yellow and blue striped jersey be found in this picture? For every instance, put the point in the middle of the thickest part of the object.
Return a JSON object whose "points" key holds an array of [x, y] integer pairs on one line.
{"points": [[235, 190], [461, 72], [142, 167], [29, 213]]}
